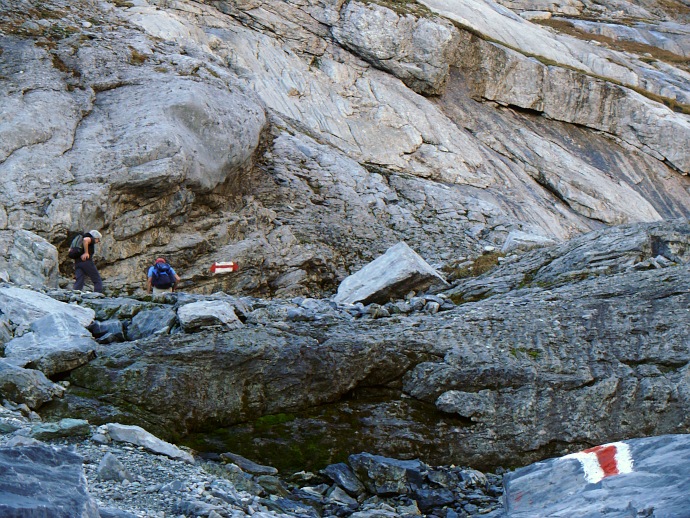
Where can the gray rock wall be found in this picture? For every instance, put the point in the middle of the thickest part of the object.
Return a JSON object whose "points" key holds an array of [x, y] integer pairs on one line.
{"points": [[28, 259], [293, 139], [418, 50], [538, 371]]}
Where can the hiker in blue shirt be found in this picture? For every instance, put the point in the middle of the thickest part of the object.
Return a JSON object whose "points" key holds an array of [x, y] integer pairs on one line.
{"points": [[83, 264], [161, 277]]}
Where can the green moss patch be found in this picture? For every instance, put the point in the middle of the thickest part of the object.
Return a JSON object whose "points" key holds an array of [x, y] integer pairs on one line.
{"points": [[518, 352], [373, 420], [405, 7], [479, 266]]}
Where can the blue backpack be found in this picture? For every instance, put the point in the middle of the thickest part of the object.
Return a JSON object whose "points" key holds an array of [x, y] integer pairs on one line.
{"points": [[162, 276]]}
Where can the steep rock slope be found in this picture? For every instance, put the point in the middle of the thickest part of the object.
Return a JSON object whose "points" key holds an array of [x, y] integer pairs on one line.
{"points": [[303, 139]]}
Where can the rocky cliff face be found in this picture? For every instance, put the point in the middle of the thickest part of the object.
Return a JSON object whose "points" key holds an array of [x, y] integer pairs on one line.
{"points": [[303, 139], [570, 346]]}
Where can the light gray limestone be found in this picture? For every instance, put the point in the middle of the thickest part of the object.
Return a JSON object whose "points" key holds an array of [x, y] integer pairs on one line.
{"points": [[30, 258], [55, 344], [392, 275], [140, 437], [522, 241], [205, 313], [22, 307], [418, 50], [178, 128]]}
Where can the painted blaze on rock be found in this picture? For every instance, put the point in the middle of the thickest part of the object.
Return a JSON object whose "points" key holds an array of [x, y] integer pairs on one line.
{"points": [[630, 478], [391, 275], [224, 267], [604, 461]]}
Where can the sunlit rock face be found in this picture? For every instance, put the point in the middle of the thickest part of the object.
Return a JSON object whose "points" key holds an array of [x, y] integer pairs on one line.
{"points": [[302, 141]]}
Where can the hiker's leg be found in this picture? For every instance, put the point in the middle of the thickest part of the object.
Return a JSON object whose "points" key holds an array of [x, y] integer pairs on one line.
{"points": [[80, 275], [97, 281], [93, 274]]}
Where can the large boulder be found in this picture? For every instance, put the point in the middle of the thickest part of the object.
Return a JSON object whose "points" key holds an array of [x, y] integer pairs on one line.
{"points": [[22, 307], [27, 386], [151, 322], [182, 150], [42, 480], [382, 475], [208, 313], [392, 275], [56, 343], [228, 377], [638, 477], [28, 258]]}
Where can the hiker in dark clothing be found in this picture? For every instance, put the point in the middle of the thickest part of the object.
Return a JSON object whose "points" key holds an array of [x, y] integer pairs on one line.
{"points": [[84, 266]]}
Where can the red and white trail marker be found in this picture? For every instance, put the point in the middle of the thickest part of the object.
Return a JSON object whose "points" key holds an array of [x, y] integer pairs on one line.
{"points": [[224, 267], [604, 461]]}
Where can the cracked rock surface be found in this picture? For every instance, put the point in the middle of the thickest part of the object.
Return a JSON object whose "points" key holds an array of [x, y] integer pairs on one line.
{"points": [[301, 141]]}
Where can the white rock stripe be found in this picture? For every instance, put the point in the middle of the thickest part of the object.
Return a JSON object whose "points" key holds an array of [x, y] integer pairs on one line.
{"points": [[604, 461], [590, 465]]}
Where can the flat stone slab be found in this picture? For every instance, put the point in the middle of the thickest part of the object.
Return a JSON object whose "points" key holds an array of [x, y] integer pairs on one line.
{"points": [[247, 465], [137, 435], [63, 428], [42, 480], [392, 275], [639, 477]]}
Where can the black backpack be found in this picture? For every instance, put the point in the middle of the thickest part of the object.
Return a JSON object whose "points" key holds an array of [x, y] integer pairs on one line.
{"points": [[162, 276], [76, 247]]}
